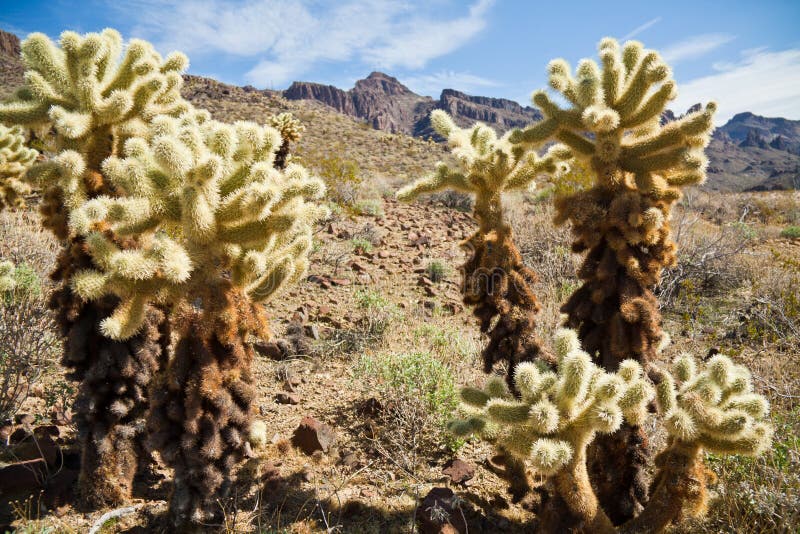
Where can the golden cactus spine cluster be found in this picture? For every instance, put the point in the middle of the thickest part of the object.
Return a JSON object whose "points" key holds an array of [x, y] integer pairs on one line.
{"points": [[15, 159], [558, 412], [496, 283]]}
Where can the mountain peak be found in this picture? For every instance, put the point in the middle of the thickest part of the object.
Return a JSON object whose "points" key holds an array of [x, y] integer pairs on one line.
{"points": [[9, 44]]}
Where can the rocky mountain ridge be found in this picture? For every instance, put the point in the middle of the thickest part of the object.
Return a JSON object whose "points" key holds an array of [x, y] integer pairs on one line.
{"points": [[385, 103]]}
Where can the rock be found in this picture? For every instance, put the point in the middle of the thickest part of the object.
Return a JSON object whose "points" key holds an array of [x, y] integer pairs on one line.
{"points": [[424, 281], [340, 281], [312, 331], [383, 254], [371, 407], [438, 513], [357, 267], [431, 292], [22, 476], [272, 350], [287, 398], [459, 471], [312, 436]]}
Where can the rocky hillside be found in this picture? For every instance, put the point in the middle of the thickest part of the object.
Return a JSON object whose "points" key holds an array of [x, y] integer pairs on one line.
{"points": [[387, 104]]}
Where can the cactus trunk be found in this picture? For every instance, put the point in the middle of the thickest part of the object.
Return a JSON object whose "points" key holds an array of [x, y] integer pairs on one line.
{"points": [[202, 404]]}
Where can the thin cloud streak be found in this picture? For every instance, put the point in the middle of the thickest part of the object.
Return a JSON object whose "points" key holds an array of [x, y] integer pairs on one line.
{"points": [[764, 83], [432, 84], [640, 29], [695, 46]]}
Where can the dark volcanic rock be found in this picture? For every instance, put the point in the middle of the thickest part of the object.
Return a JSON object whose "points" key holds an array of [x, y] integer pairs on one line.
{"points": [[312, 436]]}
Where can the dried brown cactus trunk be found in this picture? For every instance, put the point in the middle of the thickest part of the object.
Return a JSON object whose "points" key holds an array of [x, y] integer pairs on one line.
{"points": [[498, 285], [616, 316], [202, 405], [114, 376]]}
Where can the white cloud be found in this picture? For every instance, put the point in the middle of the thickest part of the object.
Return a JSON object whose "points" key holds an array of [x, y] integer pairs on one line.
{"points": [[286, 38], [432, 84], [695, 46], [765, 83], [640, 29]]}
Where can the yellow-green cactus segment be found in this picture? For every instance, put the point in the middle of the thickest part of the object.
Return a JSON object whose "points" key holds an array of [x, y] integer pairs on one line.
{"points": [[202, 198], [487, 165], [619, 105], [91, 93], [557, 413], [714, 406], [7, 280], [288, 126], [15, 159]]}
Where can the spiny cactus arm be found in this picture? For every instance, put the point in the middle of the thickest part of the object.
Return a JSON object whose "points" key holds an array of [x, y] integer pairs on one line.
{"points": [[186, 231], [289, 127], [487, 164], [714, 407], [612, 104], [15, 159], [7, 280], [91, 94], [558, 412]]}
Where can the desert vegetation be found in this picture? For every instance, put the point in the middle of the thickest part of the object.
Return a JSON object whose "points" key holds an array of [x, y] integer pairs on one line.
{"points": [[223, 320]]}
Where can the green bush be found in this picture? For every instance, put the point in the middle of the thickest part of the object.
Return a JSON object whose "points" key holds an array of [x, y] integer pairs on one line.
{"points": [[791, 232], [361, 245], [437, 270]]}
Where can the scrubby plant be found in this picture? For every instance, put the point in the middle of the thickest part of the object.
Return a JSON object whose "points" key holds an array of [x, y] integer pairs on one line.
{"points": [[495, 281], [91, 98], [791, 232], [201, 199], [612, 123], [15, 158], [705, 407], [291, 130], [26, 336]]}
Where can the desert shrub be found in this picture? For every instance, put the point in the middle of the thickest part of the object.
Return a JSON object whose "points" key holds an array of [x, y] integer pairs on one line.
{"points": [[370, 207], [711, 260], [27, 336], [791, 232], [771, 312], [418, 396], [447, 343], [456, 200], [342, 177], [437, 270], [375, 317], [361, 245]]}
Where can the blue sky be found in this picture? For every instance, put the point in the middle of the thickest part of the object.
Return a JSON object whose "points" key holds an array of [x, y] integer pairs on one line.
{"points": [[745, 55]]}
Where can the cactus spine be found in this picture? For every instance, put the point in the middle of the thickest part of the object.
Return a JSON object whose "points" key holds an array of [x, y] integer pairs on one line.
{"points": [[558, 413], [495, 281], [92, 97], [202, 199], [15, 159], [622, 222]]}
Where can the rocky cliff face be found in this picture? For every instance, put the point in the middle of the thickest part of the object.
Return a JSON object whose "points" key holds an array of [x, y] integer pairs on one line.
{"points": [[9, 44], [387, 104]]}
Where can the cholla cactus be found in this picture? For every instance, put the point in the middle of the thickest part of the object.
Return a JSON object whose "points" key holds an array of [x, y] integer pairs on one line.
{"points": [[91, 97], [15, 158], [495, 281], [202, 199], [559, 412], [7, 280], [291, 130], [612, 123]]}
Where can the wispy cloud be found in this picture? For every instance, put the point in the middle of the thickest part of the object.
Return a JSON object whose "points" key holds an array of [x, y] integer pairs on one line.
{"points": [[639, 29], [287, 38], [432, 84], [763, 82], [695, 46]]}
